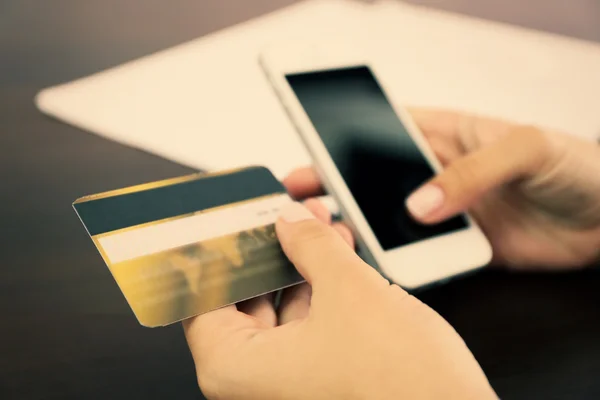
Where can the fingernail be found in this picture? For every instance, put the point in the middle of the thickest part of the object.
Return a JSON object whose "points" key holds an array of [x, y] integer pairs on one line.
{"points": [[295, 212], [425, 201]]}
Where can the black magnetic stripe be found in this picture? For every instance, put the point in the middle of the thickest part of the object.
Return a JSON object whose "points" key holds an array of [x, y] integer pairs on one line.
{"points": [[117, 212]]}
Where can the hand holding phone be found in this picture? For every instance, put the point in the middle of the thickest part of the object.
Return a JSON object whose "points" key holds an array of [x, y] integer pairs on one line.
{"points": [[508, 175], [370, 157]]}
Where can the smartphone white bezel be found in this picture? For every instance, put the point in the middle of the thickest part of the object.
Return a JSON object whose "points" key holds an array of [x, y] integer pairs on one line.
{"points": [[410, 266]]}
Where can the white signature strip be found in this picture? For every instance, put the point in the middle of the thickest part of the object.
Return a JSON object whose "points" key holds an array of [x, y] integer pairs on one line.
{"points": [[123, 246]]}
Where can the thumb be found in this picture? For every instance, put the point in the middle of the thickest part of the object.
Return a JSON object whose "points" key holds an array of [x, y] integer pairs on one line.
{"points": [[520, 154], [318, 251]]}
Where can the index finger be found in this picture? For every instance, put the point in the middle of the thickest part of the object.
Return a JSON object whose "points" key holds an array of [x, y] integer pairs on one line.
{"points": [[432, 121], [303, 183]]}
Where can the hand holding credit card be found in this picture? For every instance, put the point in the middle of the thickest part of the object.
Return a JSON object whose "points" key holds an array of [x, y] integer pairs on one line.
{"points": [[184, 246]]}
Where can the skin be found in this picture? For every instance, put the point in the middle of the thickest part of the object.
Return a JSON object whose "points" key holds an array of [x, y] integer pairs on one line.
{"points": [[355, 337], [350, 334]]}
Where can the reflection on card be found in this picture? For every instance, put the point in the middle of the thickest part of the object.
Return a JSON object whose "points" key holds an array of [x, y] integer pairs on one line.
{"points": [[202, 254]]}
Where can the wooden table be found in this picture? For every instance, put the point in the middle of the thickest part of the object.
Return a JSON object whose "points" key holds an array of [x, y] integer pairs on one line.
{"points": [[66, 331]]}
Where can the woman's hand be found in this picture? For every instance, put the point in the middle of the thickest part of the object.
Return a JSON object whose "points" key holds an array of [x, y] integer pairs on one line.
{"points": [[355, 337], [535, 194]]}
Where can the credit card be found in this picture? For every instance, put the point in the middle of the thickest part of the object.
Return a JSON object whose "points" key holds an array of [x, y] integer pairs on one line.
{"points": [[185, 246]]}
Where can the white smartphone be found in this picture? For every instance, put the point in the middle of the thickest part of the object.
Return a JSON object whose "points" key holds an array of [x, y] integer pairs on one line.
{"points": [[370, 156]]}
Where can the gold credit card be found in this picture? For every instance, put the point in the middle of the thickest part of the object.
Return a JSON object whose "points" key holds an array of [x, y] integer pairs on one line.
{"points": [[184, 246]]}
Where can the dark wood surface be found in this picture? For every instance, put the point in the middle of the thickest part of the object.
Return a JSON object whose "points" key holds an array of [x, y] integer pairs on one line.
{"points": [[65, 329]]}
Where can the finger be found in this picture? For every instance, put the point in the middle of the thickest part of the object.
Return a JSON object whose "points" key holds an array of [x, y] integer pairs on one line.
{"points": [[295, 303], [303, 183], [344, 232], [445, 149], [516, 156], [319, 253], [205, 331], [319, 210], [437, 121], [261, 308], [463, 132]]}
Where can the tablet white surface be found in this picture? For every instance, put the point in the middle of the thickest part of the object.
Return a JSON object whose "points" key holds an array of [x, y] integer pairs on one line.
{"points": [[206, 103]]}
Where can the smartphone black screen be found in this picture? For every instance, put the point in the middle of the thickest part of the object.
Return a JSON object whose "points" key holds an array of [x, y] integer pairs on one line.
{"points": [[371, 148]]}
